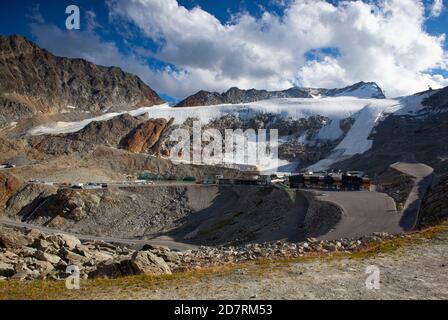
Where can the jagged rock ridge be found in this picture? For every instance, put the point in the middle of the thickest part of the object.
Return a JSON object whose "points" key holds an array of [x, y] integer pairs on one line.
{"points": [[235, 95], [32, 80]]}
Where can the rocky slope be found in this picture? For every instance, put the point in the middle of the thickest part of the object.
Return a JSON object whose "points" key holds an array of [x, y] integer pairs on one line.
{"points": [[395, 184], [435, 205], [9, 185], [235, 95], [32, 254], [438, 101], [153, 136], [289, 129], [33, 81], [197, 215], [134, 134]]}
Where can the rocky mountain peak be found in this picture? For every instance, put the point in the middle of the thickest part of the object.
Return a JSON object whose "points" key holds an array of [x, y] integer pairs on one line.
{"points": [[32, 81], [362, 90], [235, 95], [15, 43]]}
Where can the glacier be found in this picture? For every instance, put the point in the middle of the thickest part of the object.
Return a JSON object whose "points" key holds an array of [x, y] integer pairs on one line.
{"points": [[365, 112]]}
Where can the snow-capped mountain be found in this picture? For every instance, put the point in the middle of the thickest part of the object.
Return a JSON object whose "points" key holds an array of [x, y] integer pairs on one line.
{"points": [[358, 90], [314, 133], [308, 128], [235, 95]]}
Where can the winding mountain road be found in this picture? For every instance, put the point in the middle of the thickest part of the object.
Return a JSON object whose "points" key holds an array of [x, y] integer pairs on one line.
{"points": [[364, 213], [423, 177], [367, 212]]}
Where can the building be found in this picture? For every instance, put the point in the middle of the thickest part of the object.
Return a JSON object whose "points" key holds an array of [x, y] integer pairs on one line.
{"points": [[339, 181]]}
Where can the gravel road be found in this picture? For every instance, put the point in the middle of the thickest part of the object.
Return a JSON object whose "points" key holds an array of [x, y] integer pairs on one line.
{"points": [[134, 243]]}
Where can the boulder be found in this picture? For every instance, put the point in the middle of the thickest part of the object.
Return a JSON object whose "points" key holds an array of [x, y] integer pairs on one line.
{"points": [[35, 234], [104, 245], [44, 256], [64, 240], [26, 275], [108, 269], [170, 256], [41, 244], [8, 256], [44, 267], [152, 247], [6, 270], [72, 258], [83, 251], [144, 262], [12, 239], [27, 252], [113, 269], [101, 256]]}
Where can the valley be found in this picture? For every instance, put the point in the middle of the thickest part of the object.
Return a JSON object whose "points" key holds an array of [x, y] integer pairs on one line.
{"points": [[89, 161]]}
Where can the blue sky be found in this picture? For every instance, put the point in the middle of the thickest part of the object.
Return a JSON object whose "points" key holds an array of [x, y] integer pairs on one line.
{"points": [[178, 49]]}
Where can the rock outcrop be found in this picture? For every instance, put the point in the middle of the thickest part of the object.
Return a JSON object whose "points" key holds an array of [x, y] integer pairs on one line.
{"points": [[134, 134], [145, 136], [435, 205], [32, 80], [108, 132], [438, 101], [9, 185]]}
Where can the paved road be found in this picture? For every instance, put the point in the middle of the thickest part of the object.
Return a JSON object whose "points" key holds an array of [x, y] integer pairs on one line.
{"points": [[423, 176], [162, 241], [364, 213], [368, 212]]}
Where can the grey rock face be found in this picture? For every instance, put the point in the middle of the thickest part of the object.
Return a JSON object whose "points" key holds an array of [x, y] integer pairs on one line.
{"points": [[32, 81], [438, 101]]}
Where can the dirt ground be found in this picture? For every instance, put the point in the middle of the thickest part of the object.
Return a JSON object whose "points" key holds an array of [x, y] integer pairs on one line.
{"points": [[416, 272]]}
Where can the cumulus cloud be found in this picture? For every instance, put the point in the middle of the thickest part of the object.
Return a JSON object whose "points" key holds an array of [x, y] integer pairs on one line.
{"points": [[386, 43], [89, 46], [437, 8]]}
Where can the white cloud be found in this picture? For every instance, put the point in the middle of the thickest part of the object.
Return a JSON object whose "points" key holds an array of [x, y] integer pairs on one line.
{"points": [[89, 46], [437, 8], [91, 21], [387, 44]]}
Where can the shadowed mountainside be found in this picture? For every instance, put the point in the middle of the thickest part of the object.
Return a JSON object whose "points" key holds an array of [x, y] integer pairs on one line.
{"points": [[32, 81]]}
